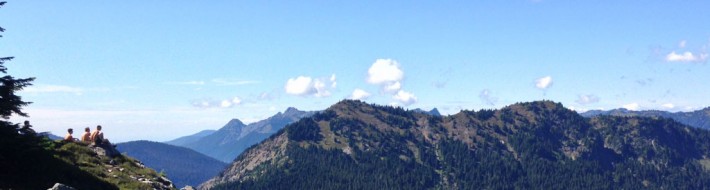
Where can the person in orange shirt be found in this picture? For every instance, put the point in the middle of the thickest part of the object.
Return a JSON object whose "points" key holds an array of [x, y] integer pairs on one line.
{"points": [[86, 137], [69, 137]]}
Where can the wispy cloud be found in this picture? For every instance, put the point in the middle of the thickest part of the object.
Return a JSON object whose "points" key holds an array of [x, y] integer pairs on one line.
{"points": [[308, 86], [487, 98], [632, 106], [229, 82], [210, 103], [686, 57], [54, 89], [217, 82], [587, 99]]}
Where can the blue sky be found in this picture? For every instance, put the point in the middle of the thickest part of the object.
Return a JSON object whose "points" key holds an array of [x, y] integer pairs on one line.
{"points": [[158, 70]]}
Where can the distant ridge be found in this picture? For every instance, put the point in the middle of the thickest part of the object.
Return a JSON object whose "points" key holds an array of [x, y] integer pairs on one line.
{"points": [[182, 141], [698, 118], [184, 166], [229, 141]]}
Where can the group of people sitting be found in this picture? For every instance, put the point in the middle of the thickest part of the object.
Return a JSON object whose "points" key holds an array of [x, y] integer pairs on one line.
{"points": [[96, 137]]}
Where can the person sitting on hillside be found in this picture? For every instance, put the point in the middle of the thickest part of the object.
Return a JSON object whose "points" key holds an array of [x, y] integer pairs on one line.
{"points": [[97, 136], [86, 137], [27, 129], [69, 137]]}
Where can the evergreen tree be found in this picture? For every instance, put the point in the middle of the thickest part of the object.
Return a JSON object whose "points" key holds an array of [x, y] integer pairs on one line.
{"points": [[10, 102]]}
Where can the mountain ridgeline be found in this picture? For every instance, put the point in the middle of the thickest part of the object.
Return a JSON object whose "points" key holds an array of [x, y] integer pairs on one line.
{"points": [[537, 145], [231, 140], [698, 118]]}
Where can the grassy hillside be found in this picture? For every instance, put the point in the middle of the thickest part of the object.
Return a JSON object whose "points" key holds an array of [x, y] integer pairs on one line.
{"points": [[30, 162]]}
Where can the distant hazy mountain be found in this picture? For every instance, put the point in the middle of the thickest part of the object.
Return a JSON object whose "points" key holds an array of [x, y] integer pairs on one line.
{"points": [[699, 118], [182, 165], [536, 145], [50, 136], [182, 141], [434, 112], [228, 142]]}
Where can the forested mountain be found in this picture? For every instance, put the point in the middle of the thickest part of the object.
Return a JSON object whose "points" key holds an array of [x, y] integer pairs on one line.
{"points": [[184, 166], [537, 145], [182, 141], [229, 141], [698, 118]]}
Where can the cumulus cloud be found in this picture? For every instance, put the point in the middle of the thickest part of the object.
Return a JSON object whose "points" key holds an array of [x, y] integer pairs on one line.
{"points": [[383, 71], [487, 98], [686, 57], [405, 98], [359, 94], [307, 86], [632, 106], [587, 99], [544, 82], [387, 73]]}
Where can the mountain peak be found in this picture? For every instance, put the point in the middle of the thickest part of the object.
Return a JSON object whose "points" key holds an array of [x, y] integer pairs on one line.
{"points": [[235, 122], [291, 111]]}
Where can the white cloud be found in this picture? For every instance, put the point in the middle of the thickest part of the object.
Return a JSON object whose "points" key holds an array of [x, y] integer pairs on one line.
{"points": [[359, 94], [384, 71], [668, 106], [587, 99], [209, 103], [333, 82], [631, 106], [307, 86], [487, 97], [686, 57], [300, 85], [544, 82], [53, 89], [393, 87], [387, 74], [405, 98], [682, 43]]}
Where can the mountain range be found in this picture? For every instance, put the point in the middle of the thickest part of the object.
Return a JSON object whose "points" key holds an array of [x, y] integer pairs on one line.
{"points": [[698, 118], [184, 166], [535, 145], [229, 141], [182, 141]]}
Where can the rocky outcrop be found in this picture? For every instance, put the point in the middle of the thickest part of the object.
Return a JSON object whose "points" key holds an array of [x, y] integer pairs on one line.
{"points": [[105, 149], [59, 186]]}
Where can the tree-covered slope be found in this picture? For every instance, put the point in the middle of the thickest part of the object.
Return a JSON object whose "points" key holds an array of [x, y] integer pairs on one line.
{"points": [[537, 145], [184, 166]]}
